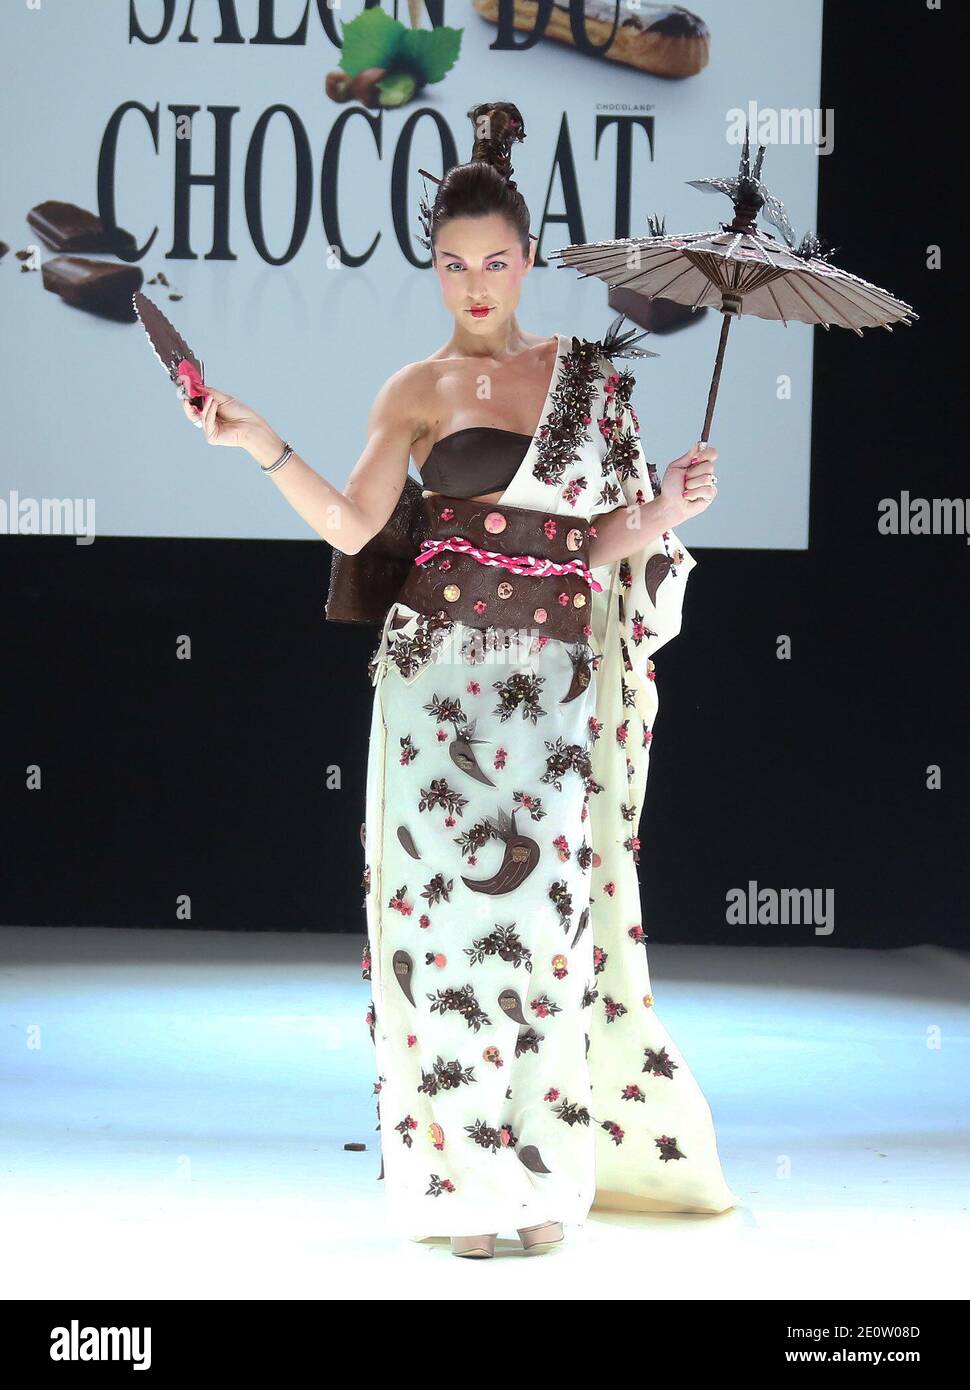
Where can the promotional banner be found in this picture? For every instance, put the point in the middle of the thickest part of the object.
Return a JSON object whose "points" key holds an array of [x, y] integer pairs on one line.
{"points": [[252, 166]]}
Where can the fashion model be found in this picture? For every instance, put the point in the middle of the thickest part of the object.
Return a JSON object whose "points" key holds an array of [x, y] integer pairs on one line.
{"points": [[522, 1069]]}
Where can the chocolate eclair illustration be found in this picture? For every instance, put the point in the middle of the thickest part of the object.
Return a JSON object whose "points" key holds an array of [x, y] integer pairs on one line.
{"points": [[666, 40], [520, 858]]}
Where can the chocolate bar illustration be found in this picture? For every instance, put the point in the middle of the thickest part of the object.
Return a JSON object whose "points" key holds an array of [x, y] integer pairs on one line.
{"points": [[66, 227], [100, 287]]}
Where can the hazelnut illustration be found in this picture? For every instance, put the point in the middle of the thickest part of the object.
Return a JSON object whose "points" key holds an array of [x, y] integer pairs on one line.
{"points": [[364, 86], [337, 85]]}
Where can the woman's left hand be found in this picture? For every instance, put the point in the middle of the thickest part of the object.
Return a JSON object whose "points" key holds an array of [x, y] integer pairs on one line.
{"points": [[688, 487], [227, 420]]}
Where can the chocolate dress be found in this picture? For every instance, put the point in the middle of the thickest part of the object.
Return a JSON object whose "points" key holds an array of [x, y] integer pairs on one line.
{"points": [[523, 1072]]}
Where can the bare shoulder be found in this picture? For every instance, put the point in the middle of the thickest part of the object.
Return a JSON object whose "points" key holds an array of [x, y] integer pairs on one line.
{"points": [[404, 399]]}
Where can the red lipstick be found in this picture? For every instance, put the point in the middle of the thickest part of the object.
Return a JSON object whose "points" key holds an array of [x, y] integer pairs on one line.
{"points": [[481, 312]]}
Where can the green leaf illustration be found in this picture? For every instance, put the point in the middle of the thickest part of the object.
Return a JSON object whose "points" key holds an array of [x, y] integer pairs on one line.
{"points": [[370, 41], [434, 50], [375, 40]]}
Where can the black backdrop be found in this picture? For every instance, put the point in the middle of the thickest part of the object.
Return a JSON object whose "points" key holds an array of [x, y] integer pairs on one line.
{"points": [[209, 777]]}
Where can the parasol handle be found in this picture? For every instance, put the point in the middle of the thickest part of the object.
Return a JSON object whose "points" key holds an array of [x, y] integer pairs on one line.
{"points": [[726, 317]]}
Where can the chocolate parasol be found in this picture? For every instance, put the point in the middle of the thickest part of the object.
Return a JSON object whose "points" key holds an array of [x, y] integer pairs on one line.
{"points": [[740, 269]]}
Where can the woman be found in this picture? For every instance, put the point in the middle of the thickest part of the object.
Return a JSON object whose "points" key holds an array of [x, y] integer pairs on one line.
{"points": [[522, 1069]]}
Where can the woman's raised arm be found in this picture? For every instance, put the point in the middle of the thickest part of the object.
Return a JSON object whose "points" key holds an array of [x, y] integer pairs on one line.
{"points": [[347, 519]]}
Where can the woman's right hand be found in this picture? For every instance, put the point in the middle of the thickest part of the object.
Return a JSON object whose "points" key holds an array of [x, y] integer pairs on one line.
{"points": [[228, 421]]}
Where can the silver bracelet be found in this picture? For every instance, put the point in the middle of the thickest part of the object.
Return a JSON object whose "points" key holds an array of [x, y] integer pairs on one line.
{"points": [[272, 467]]}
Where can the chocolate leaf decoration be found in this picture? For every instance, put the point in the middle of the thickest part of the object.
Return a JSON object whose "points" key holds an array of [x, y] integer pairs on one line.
{"points": [[532, 1159], [520, 858], [463, 756], [583, 923], [511, 1005], [656, 571], [407, 840], [403, 965]]}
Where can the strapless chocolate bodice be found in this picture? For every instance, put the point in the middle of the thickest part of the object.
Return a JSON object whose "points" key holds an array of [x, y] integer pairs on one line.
{"points": [[474, 461]]}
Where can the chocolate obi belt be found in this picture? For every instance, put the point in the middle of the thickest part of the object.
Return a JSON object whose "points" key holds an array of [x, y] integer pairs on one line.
{"points": [[483, 564]]}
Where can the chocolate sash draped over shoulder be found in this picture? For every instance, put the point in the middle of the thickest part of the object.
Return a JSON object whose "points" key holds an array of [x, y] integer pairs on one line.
{"points": [[363, 586]]}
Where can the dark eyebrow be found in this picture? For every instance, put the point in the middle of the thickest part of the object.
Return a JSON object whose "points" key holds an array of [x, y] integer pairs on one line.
{"points": [[455, 256]]}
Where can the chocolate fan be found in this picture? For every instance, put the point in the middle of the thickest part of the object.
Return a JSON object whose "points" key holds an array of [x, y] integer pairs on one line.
{"points": [[185, 370]]}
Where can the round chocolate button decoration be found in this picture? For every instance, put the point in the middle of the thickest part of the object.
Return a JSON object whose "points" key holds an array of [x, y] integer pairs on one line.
{"points": [[579, 600], [505, 589], [540, 615], [495, 522], [451, 592], [574, 539]]}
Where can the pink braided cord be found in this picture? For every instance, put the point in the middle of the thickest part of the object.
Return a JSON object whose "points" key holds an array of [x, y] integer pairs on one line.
{"points": [[518, 564]]}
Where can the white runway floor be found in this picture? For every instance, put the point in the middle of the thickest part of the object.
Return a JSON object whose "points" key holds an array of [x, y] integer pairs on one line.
{"points": [[175, 1106]]}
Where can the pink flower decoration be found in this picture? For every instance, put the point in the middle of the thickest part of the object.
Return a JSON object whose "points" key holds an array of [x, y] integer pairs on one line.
{"points": [[550, 528], [480, 605], [447, 513]]}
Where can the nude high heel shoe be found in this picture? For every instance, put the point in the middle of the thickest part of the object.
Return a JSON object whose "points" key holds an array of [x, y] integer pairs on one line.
{"points": [[537, 1239], [477, 1247]]}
